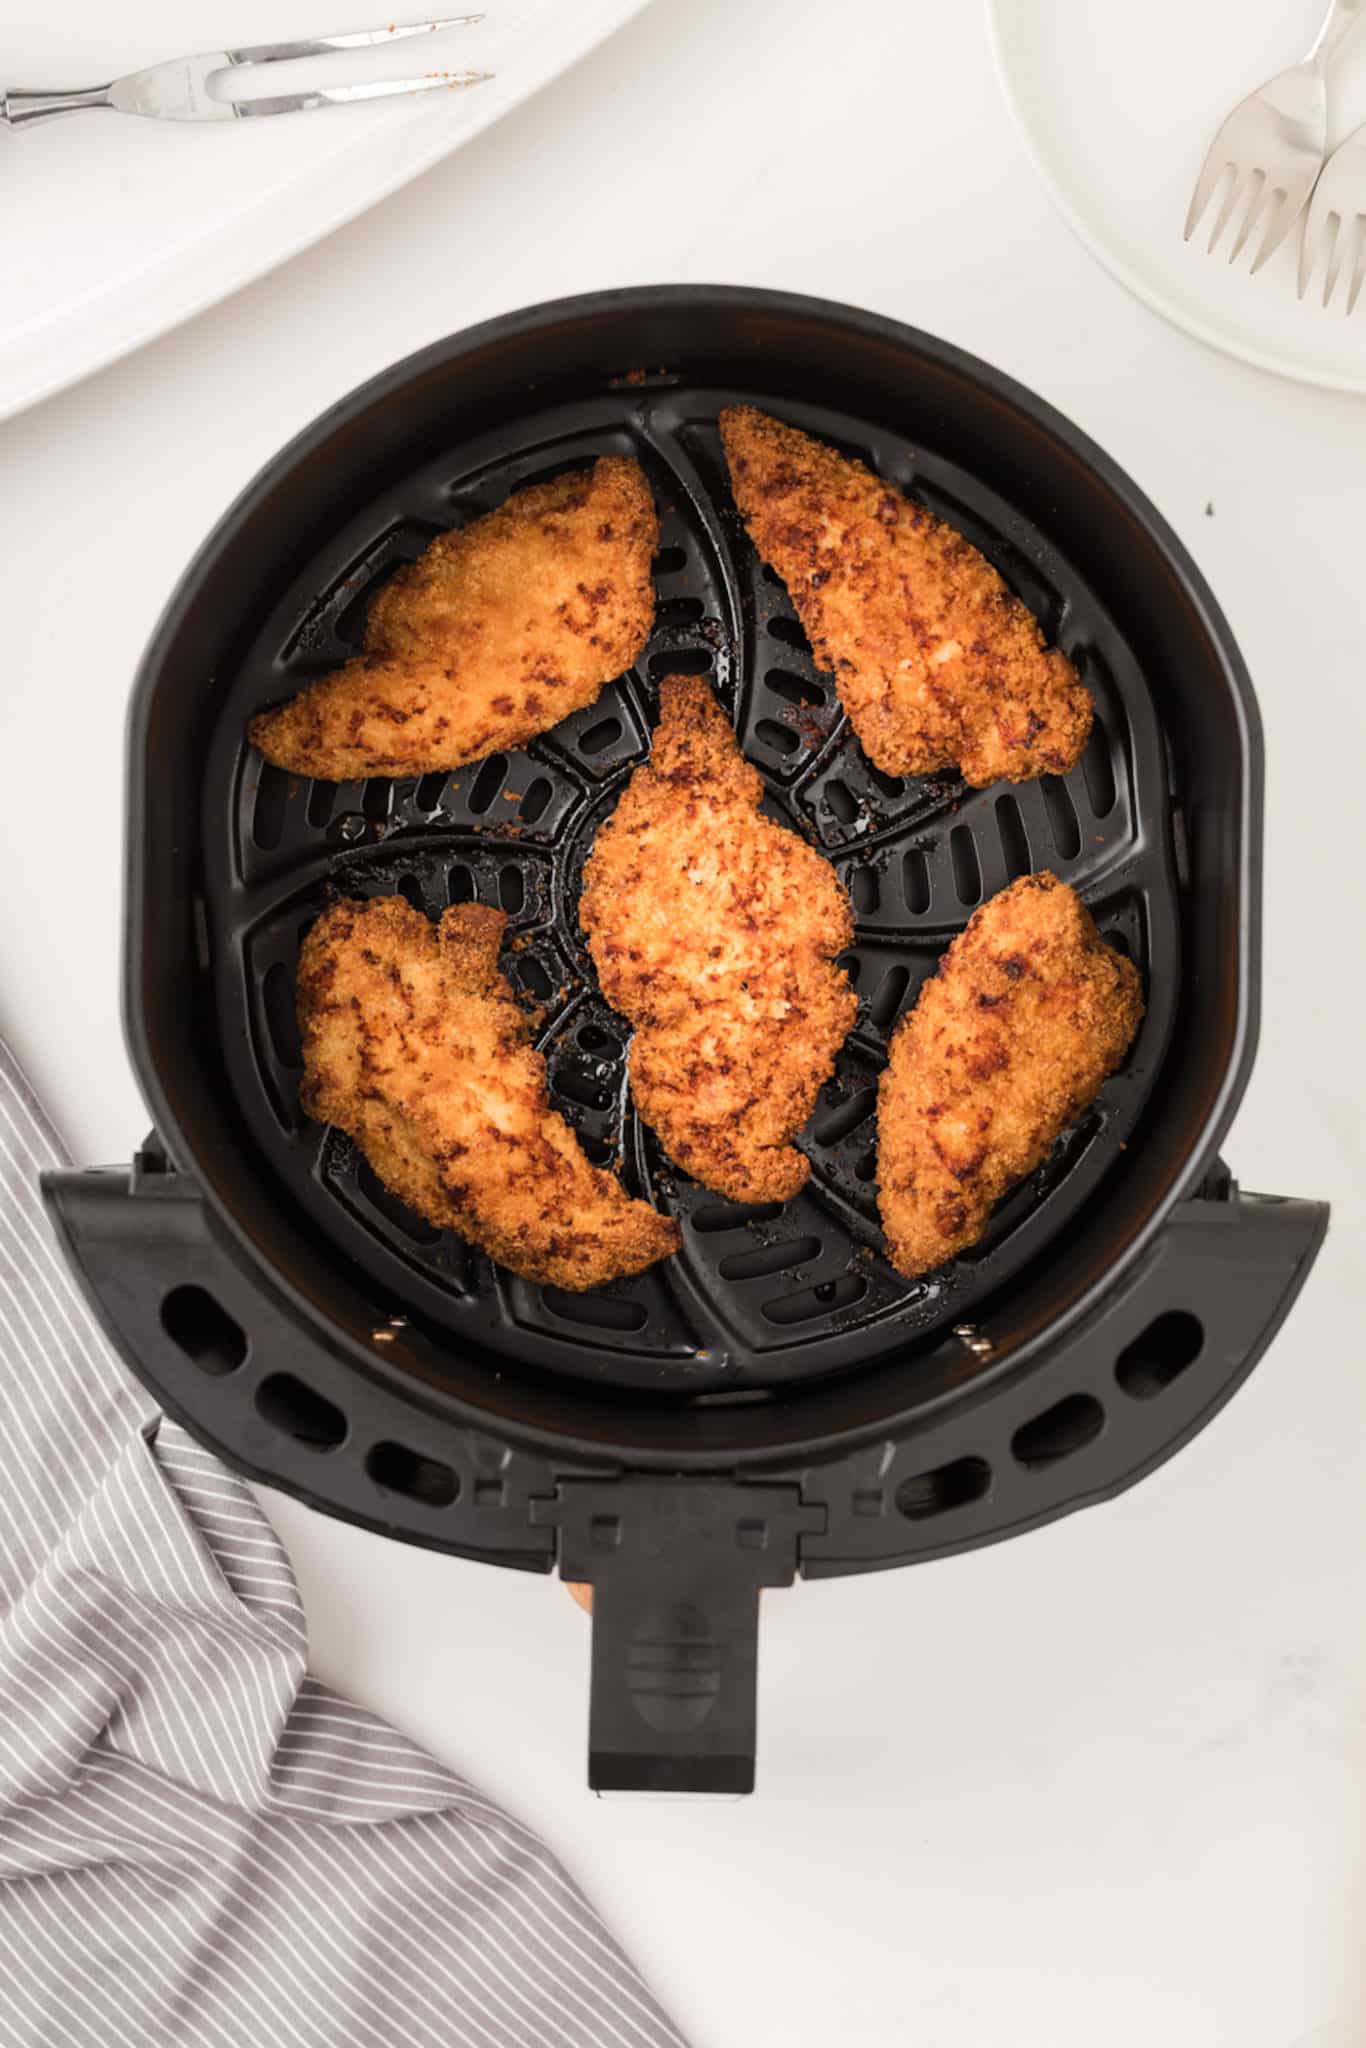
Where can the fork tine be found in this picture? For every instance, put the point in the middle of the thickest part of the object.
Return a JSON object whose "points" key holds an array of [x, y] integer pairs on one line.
{"points": [[356, 39], [1336, 250], [1211, 171], [346, 95], [1358, 265], [1259, 197], [1226, 211], [1317, 233], [1285, 211]]}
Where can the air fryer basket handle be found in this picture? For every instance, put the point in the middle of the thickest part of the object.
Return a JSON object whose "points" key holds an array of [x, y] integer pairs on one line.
{"points": [[676, 1568]]}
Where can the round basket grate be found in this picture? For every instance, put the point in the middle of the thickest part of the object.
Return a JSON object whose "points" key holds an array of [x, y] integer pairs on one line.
{"points": [[756, 1296]]}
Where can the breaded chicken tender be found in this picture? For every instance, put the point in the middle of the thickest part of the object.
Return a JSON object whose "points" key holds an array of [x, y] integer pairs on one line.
{"points": [[494, 634], [1007, 1045], [414, 1045], [714, 931], [936, 663]]}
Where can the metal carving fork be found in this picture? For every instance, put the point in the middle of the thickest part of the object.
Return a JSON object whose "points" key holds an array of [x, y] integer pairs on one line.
{"points": [[180, 89]]}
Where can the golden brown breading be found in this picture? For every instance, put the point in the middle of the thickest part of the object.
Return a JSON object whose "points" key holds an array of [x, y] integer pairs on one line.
{"points": [[494, 634], [714, 931], [1008, 1043], [414, 1045], [936, 663]]}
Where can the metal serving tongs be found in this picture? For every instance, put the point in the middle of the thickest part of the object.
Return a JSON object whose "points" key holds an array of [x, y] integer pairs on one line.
{"points": [[180, 89]]}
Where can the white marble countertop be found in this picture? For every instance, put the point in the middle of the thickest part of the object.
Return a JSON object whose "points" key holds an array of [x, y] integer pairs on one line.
{"points": [[1105, 1783]]}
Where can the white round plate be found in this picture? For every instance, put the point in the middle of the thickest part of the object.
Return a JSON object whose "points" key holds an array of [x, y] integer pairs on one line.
{"points": [[1117, 104]]}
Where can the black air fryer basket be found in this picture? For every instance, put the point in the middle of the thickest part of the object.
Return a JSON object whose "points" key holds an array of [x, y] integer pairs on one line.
{"points": [[774, 1400]]}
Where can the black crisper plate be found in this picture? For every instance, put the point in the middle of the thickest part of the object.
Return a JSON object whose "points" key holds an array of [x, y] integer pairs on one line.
{"points": [[756, 1296]]}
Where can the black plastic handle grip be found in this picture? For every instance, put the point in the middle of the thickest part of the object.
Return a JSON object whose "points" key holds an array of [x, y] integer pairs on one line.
{"points": [[676, 1568]]}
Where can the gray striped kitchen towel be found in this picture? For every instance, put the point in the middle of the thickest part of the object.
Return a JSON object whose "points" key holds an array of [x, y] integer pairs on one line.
{"points": [[199, 1843]]}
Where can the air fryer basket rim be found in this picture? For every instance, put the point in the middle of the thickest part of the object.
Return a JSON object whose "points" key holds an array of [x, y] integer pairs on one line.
{"points": [[305, 446]]}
